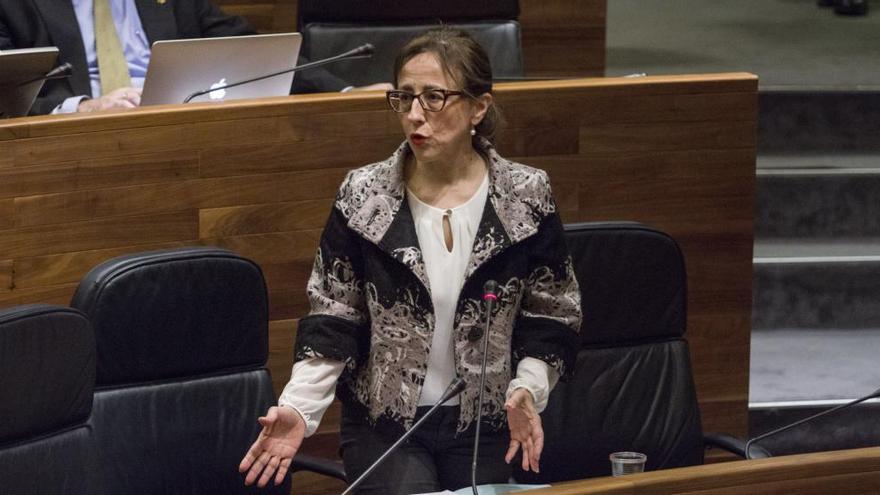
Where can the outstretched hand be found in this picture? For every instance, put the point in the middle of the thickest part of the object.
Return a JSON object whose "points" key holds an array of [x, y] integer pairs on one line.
{"points": [[272, 453], [526, 431]]}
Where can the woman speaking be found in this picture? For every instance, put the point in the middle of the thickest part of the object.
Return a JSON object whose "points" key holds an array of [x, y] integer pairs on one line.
{"points": [[396, 294]]}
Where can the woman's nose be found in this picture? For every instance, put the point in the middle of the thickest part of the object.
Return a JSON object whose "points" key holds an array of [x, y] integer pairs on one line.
{"points": [[416, 112]]}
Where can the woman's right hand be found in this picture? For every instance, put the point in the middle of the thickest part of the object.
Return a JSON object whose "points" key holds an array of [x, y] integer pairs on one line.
{"points": [[273, 451]]}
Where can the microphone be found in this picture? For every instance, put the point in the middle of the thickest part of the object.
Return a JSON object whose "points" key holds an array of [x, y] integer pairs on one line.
{"points": [[872, 395], [456, 386], [62, 71], [364, 51], [490, 295]]}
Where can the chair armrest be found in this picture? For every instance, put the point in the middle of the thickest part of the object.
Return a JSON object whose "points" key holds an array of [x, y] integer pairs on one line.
{"points": [[320, 465], [734, 445]]}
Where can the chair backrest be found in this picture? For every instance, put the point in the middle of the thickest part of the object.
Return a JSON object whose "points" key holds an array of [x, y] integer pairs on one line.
{"points": [[632, 388], [330, 28], [182, 342], [47, 375]]}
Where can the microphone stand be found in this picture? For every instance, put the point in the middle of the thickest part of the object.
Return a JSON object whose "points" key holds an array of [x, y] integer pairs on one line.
{"points": [[62, 71], [489, 295], [872, 395], [454, 388], [363, 51]]}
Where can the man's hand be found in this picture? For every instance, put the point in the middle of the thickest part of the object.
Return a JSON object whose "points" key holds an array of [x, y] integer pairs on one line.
{"points": [[525, 427], [120, 98], [273, 451]]}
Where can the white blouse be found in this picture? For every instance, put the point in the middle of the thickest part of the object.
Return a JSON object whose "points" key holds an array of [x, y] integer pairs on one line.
{"points": [[445, 271], [312, 381]]}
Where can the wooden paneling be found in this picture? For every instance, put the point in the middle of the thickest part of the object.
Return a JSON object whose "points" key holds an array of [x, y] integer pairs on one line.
{"points": [[563, 37], [7, 214], [90, 174], [272, 217], [259, 178], [67, 268], [54, 294], [854, 471], [98, 234], [559, 37], [6, 270], [267, 16], [282, 334], [294, 155]]}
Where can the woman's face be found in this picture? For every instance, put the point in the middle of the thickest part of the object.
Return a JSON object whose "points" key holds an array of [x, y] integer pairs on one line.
{"points": [[443, 135]]}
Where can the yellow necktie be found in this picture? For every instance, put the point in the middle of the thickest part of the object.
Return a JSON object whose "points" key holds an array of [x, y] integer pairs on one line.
{"points": [[111, 61]]}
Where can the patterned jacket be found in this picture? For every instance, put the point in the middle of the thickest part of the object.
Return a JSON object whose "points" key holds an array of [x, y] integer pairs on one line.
{"points": [[371, 306]]}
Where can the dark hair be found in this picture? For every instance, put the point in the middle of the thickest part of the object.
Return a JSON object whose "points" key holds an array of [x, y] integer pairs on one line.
{"points": [[466, 63]]}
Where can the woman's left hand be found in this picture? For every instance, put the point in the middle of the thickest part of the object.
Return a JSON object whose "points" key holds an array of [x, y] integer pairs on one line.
{"points": [[526, 431]]}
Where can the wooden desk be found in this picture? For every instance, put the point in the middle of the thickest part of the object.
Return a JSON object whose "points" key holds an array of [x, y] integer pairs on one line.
{"points": [[258, 177], [849, 472]]}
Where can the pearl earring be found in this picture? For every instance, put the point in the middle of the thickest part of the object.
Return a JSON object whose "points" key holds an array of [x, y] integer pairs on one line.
{"points": [[473, 132]]}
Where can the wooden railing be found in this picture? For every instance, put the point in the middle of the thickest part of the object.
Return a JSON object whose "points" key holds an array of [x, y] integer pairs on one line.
{"points": [[853, 472]]}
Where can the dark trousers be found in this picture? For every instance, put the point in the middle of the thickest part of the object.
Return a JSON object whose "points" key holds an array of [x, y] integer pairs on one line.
{"points": [[433, 459]]}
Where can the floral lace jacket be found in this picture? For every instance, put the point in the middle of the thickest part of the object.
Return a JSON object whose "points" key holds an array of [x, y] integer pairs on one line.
{"points": [[371, 306]]}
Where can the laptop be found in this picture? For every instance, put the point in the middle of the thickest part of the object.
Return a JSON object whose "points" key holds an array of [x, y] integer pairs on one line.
{"points": [[179, 68], [20, 78]]}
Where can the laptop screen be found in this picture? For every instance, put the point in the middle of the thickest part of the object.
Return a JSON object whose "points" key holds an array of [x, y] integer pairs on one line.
{"points": [[179, 68], [17, 68]]}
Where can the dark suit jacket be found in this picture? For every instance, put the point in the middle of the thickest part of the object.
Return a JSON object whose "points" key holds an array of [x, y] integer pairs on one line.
{"points": [[36, 23]]}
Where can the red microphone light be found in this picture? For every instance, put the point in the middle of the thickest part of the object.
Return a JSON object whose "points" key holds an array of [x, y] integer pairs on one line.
{"points": [[490, 289]]}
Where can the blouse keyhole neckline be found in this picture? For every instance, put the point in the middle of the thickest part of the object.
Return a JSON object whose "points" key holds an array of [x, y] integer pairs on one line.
{"points": [[447, 230]]}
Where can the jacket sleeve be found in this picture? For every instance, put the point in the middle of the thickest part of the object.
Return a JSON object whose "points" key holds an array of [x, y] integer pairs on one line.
{"points": [[53, 94], [337, 326], [550, 311]]}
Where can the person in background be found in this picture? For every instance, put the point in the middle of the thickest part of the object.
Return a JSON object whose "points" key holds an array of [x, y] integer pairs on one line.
{"points": [[117, 35], [396, 294]]}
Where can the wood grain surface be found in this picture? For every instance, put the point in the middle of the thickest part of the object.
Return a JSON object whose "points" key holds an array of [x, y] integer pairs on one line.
{"points": [[853, 472]]}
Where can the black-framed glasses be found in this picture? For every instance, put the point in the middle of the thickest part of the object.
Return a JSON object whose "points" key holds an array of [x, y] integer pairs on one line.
{"points": [[432, 100]]}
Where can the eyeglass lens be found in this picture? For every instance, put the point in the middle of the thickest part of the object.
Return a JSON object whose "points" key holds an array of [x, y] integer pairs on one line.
{"points": [[431, 100]]}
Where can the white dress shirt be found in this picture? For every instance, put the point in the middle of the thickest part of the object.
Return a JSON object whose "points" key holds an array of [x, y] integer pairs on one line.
{"points": [[132, 38]]}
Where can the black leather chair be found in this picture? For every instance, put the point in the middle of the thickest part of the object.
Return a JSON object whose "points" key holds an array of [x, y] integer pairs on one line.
{"points": [[332, 27], [632, 388], [47, 374], [182, 342]]}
